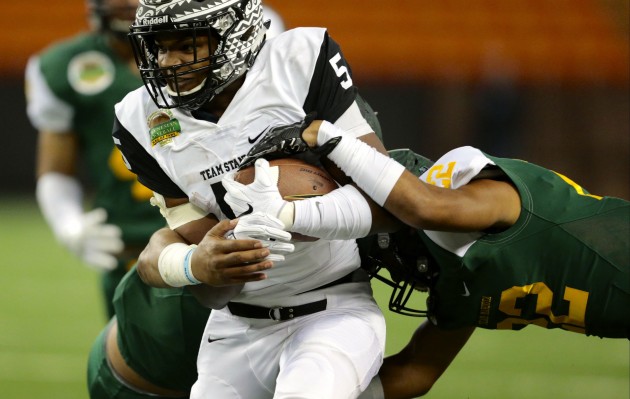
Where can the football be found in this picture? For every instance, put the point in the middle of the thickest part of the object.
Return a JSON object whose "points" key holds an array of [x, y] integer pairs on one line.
{"points": [[296, 180]]}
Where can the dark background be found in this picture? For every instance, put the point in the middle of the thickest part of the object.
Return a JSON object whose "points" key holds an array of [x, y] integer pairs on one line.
{"points": [[545, 81]]}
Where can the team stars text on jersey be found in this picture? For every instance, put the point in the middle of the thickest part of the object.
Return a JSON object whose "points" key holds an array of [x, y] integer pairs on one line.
{"points": [[218, 170]]}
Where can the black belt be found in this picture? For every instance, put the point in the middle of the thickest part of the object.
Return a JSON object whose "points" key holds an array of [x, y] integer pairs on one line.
{"points": [[280, 313]]}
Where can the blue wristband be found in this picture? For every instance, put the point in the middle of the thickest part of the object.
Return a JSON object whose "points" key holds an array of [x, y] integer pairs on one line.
{"points": [[187, 270]]}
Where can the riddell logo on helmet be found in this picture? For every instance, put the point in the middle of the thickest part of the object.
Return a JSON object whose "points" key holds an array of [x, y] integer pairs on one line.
{"points": [[155, 2], [155, 20]]}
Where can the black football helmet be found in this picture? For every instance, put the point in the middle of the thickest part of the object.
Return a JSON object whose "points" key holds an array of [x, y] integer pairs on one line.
{"points": [[401, 261], [236, 26], [402, 255]]}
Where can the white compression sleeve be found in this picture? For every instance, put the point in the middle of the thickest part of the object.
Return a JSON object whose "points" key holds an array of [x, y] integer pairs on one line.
{"points": [[374, 172], [341, 214], [60, 198]]}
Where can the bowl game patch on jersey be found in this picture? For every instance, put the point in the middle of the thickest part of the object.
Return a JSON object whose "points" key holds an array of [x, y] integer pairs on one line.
{"points": [[163, 127]]}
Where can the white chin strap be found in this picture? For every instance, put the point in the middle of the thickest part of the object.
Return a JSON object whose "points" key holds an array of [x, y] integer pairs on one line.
{"points": [[185, 93]]}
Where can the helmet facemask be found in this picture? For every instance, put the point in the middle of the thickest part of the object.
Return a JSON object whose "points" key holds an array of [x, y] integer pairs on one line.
{"points": [[400, 262], [165, 83], [235, 34]]}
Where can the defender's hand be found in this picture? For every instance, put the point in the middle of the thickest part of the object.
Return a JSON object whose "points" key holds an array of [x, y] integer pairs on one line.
{"points": [[280, 142]]}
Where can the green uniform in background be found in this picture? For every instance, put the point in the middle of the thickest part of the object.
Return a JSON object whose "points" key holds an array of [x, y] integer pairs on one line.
{"points": [[564, 264], [74, 86]]}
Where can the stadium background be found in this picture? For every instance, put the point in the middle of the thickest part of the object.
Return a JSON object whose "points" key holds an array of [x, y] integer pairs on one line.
{"points": [[542, 80]]}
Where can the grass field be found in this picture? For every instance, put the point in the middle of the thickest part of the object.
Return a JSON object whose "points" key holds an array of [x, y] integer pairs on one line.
{"points": [[50, 313]]}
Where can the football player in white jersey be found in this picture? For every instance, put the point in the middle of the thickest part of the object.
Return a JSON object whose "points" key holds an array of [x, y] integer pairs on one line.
{"points": [[306, 327], [149, 349]]}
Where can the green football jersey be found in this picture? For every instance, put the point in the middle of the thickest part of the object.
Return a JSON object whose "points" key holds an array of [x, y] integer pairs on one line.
{"points": [[564, 264], [159, 331], [73, 86]]}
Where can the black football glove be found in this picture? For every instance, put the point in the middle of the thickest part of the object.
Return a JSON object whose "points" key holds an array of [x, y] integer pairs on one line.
{"points": [[284, 141]]}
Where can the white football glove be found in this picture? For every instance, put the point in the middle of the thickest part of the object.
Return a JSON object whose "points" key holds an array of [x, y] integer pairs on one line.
{"points": [[261, 195], [60, 198], [267, 229], [93, 240]]}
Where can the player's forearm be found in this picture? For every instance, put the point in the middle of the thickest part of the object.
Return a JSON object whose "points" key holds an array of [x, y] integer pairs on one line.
{"points": [[172, 246], [148, 270], [214, 268], [477, 206], [87, 235], [375, 173], [57, 152], [345, 213], [59, 193], [413, 201], [162, 261], [424, 206], [148, 260], [415, 369]]}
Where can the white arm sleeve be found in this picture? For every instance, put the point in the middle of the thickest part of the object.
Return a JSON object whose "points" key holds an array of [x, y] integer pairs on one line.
{"points": [[87, 235], [374, 172], [342, 214], [60, 198]]}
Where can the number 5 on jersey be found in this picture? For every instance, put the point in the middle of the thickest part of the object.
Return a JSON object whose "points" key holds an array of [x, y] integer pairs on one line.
{"points": [[341, 70]]}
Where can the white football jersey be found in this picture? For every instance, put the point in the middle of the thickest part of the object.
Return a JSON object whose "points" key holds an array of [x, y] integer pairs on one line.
{"points": [[179, 154]]}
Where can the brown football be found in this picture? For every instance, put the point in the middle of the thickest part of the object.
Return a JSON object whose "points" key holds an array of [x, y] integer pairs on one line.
{"points": [[296, 180]]}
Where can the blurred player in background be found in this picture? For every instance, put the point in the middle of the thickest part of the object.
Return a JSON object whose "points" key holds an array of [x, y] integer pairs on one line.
{"points": [[71, 88], [509, 244]]}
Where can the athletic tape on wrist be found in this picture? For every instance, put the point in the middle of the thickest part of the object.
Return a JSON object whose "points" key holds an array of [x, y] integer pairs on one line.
{"points": [[179, 215], [174, 265], [374, 172]]}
